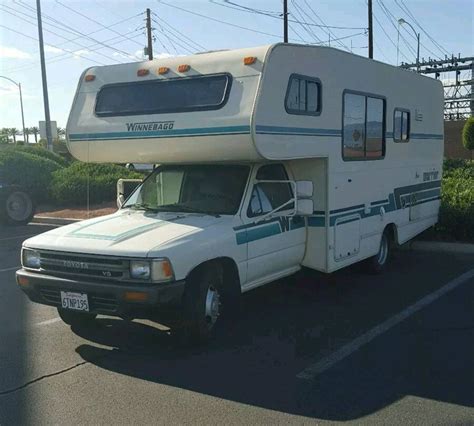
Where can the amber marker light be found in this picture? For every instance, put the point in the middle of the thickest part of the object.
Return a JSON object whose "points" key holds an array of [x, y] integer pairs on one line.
{"points": [[163, 70], [249, 60], [143, 72], [135, 296], [184, 68], [89, 77], [23, 281]]}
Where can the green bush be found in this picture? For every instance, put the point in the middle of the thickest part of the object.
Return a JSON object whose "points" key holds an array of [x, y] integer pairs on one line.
{"points": [[38, 151], [456, 220], [69, 185], [468, 134], [28, 170]]}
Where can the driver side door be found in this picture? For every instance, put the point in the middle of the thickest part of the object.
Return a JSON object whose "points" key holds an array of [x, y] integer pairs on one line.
{"points": [[276, 245]]}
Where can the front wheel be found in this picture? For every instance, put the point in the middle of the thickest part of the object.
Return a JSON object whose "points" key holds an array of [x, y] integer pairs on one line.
{"points": [[19, 208], [76, 319], [202, 305], [376, 264]]}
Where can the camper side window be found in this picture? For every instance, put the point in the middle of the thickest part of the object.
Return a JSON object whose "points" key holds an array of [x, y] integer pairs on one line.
{"points": [[401, 125], [363, 127], [303, 95]]}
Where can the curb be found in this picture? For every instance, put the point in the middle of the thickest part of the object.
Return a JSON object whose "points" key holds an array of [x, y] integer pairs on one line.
{"points": [[439, 246], [59, 221]]}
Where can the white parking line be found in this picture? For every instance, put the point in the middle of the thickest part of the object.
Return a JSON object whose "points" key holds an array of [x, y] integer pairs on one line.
{"points": [[47, 322], [347, 350], [17, 237], [13, 268]]}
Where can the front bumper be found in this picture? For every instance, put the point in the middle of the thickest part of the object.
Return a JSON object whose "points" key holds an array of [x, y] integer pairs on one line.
{"points": [[107, 298]]}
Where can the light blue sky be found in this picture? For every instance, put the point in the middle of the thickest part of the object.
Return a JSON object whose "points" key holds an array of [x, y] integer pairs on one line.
{"points": [[450, 23]]}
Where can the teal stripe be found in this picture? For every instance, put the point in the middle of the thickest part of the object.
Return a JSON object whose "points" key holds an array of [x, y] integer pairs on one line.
{"points": [[203, 131], [302, 131]]}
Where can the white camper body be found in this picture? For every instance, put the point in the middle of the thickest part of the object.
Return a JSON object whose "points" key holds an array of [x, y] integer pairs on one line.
{"points": [[369, 136]]}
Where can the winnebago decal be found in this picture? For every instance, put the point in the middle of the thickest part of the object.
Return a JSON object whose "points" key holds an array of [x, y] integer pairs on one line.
{"points": [[150, 126]]}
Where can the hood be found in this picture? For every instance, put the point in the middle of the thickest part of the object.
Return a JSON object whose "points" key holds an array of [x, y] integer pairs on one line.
{"points": [[125, 233]]}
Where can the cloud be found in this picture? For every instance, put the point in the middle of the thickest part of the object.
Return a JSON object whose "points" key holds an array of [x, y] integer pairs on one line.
{"points": [[139, 55], [122, 55], [52, 49], [78, 54], [13, 53]]}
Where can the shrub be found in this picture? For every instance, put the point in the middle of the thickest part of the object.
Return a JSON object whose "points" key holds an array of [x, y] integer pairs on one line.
{"points": [[450, 165], [38, 151], [456, 218], [28, 170], [69, 185], [468, 134]]}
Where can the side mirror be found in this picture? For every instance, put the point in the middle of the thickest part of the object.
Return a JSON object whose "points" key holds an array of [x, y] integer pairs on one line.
{"points": [[304, 207], [124, 188], [304, 188], [120, 200]]}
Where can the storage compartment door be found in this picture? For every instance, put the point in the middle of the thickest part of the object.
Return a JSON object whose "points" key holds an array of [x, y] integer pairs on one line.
{"points": [[346, 237]]}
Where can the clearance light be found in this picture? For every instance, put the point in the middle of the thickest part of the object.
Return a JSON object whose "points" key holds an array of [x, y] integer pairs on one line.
{"points": [[135, 296], [163, 70], [184, 68], [89, 77], [143, 72], [249, 60]]}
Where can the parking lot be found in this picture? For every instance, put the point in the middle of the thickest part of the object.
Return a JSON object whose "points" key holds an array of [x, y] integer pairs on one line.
{"points": [[396, 348]]}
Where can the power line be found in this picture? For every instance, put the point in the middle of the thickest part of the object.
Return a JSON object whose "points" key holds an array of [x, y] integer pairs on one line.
{"points": [[69, 29], [276, 15], [307, 28], [176, 41], [96, 22]]}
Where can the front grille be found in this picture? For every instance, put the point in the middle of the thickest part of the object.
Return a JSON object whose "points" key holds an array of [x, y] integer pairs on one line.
{"points": [[87, 267], [104, 302]]}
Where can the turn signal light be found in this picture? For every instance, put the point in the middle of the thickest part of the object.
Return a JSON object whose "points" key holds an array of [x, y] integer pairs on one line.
{"points": [[89, 77], [163, 70], [249, 60], [135, 296], [143, 72], [184, 68], [23, 281]]}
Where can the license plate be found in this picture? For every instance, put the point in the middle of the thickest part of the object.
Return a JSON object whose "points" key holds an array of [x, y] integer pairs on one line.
{"points": [[74, 301]]}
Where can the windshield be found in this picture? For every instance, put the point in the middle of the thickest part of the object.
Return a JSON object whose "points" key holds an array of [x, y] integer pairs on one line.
{"points": [[211, 189]]}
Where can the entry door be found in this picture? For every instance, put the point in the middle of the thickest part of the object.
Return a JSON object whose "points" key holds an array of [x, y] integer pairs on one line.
{"points": [[278, 243]]}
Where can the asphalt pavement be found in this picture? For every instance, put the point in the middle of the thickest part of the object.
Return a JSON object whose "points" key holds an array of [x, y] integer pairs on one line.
{"points": [[416, 370]]}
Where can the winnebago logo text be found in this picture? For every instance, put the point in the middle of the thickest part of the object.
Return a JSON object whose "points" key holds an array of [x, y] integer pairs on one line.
{"points": [[150, 126]]}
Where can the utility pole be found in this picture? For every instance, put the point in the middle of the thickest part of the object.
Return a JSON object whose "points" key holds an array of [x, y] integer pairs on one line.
{"points": [[43, 75], [149, 49], [285, 21], [371, 31]]}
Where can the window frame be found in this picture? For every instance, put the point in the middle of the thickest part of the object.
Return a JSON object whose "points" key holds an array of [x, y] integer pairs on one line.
{"points": [[223, 102], [402, 110], [320, 95], [255, 182], [384, 126]]}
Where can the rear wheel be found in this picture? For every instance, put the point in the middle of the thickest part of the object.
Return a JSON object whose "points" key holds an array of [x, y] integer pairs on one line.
{"points": [[76, 319], [377, 263]]}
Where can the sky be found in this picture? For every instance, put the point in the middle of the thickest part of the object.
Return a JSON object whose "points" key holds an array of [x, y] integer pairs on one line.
{"points": [[80, 34]]}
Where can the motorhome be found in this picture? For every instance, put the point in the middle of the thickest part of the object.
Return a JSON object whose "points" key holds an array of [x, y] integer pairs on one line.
{"points": [[271, 159]]}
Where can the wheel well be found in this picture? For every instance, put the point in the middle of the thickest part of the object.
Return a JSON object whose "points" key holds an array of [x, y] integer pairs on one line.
{"points": [[391, 228], [230, 273]]}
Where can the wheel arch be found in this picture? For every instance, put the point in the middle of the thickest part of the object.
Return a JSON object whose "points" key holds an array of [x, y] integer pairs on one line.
{"points": [[392, 230], [230, 271]]}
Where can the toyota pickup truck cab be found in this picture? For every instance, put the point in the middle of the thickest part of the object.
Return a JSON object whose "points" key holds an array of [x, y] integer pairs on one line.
{"points": [[270, 159]]}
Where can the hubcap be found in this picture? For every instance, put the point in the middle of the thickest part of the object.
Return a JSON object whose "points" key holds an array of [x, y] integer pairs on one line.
{"points": [[383, 251], [18, 206], [212, 306]]}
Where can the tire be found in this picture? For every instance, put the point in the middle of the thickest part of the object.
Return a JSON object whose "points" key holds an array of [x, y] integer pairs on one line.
{"points": [[76, 319], [377, 264], [18, 208], [202, 303]]}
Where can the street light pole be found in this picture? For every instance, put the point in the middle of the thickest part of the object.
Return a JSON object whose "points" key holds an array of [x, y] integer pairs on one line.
{"points": [[417, 34], [21, 102]]}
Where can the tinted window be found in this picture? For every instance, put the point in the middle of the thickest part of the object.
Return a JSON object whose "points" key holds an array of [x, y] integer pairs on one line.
{"points": [[163, 96], [401, 126], [267, 196], [363, 127], [303, 96]]}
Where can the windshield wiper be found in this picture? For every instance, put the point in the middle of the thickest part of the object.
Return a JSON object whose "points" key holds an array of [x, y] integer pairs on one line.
{"points": [[187, 209], [143, 206]]}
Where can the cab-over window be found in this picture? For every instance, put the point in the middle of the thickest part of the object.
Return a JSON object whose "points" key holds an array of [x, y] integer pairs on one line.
{"points": [[303, 95]]}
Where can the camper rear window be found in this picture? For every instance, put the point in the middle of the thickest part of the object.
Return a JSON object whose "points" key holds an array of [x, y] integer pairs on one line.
{"points": [[163, 96], [303, 95]]}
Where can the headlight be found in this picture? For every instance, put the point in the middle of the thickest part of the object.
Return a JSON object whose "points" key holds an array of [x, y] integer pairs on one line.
{"points": [[30, 259], [156, 270]]}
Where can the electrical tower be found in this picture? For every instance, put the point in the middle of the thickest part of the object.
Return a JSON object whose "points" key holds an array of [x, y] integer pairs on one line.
{"points": [[458, 90]]}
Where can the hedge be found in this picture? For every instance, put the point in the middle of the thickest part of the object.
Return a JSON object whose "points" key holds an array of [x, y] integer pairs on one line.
{"points": [[38, 151], [31, 171], [468, 134], [69, 185]]}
